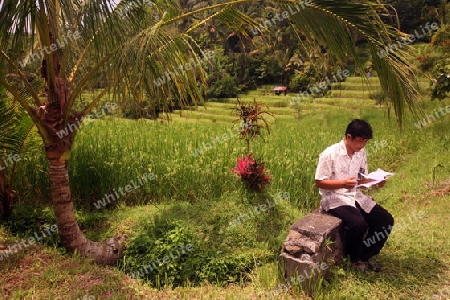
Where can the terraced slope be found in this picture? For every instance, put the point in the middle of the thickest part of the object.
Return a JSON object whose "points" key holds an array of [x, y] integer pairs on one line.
{"points": [[355, 92]]}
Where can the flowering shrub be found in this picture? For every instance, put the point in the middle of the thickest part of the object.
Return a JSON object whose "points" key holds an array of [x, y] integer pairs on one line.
{"points": [[252, 173], [252, 120]]}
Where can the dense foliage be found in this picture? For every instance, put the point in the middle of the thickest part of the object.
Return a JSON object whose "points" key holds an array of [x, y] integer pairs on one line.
{"points": [[273, 56], [169, 252]]}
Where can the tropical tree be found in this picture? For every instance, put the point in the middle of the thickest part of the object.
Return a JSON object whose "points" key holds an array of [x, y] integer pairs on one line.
{"points": [[142, 55]]}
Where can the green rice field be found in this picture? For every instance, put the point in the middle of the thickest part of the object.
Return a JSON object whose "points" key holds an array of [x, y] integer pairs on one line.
{"points": [[193, 196]]}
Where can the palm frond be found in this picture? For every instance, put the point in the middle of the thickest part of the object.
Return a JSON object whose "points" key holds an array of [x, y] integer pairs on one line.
{"points": [[329, 23], [14, 125], [138, 44]]}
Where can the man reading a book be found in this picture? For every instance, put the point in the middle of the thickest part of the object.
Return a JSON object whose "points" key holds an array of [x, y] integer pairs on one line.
{"points": [[341, 168]]}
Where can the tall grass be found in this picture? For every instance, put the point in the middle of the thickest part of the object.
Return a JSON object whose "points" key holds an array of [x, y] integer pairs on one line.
{"points": [[110, 153], [201, 192]]}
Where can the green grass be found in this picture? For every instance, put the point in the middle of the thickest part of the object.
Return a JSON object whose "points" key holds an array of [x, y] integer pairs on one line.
{"points": [[201, 193]]}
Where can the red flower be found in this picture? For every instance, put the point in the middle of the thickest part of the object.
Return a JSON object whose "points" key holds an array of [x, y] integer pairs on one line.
{"points": [[242, 167], [252, 173]]}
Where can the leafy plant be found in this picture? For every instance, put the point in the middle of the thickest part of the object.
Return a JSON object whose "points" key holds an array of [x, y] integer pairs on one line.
{"points": [[441, 86], [137, 110], [303, 78], [168, 253], [379, 96], [441, 38], [161, 254], [434, 172], [252, 120], [252, 173], [222, 86]]}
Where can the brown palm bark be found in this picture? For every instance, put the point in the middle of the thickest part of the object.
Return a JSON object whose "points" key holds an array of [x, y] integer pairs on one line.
{"points": [[107, 252], [57, 150]]}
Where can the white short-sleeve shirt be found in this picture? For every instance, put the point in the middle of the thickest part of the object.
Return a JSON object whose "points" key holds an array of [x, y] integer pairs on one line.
{"points": [[335, 164]]}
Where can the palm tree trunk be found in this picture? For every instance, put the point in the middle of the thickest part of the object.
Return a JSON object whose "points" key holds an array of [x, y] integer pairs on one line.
{"points": [[57, 151], [107, 252]]}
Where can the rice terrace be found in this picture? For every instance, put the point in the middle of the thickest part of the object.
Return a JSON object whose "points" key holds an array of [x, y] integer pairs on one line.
{"points": [[148, 155]]}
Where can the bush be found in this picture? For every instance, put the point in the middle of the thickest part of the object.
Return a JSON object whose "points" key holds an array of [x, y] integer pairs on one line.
{"points": [[223, 87], [442, 38], [441, 86], [378, 96], [28, 221], [161, 254], [302, 79], [137, 110], [168, 253]]}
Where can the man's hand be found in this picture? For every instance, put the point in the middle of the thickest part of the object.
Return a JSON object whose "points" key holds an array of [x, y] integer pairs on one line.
{"points": [[350, 182], [380, 184], [366, 180], [329, 184]]}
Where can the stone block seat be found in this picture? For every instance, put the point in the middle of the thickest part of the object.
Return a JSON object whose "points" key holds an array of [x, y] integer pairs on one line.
{"points": [[314, 244]]}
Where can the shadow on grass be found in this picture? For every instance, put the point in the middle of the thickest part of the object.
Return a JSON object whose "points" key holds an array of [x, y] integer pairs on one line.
{"points": [[413, 269], [230, 239], [401, 278]]}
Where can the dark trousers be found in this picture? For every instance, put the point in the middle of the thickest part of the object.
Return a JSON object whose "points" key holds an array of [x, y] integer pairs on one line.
{"points": [[365, 233]]}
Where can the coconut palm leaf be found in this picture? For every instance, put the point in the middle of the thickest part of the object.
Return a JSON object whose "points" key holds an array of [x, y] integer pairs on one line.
{"points": [[329, 24], [15, 126]]}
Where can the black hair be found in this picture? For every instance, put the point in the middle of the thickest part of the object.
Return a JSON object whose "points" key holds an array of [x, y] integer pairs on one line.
{"points": [[359, 128]]}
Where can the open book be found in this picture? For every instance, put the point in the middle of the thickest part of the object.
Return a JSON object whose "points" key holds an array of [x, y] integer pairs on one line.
{"points": [[377, 176]]}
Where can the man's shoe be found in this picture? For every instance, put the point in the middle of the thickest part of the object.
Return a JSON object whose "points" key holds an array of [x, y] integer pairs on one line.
{"points": [[375, 267], [361, 266]]}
